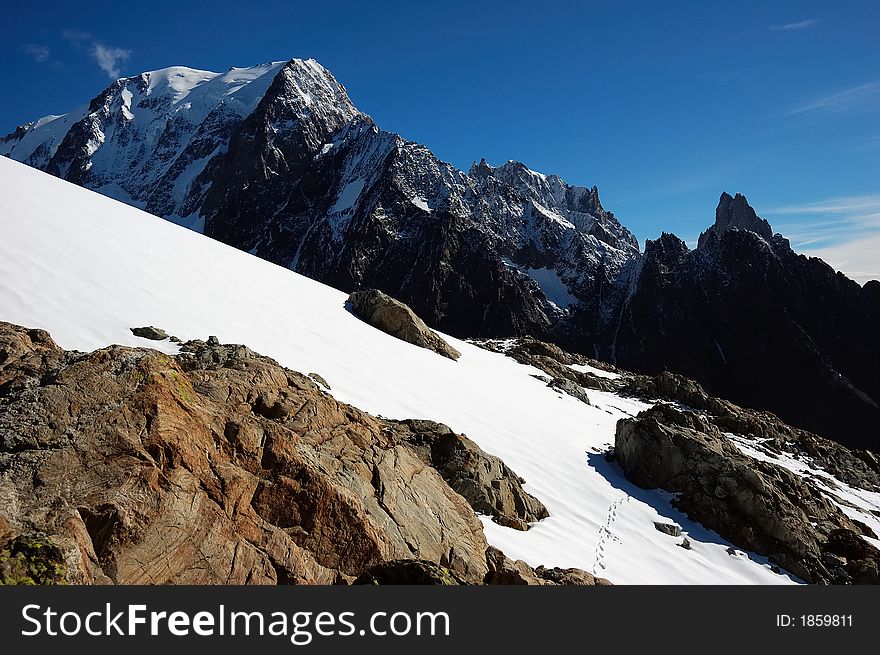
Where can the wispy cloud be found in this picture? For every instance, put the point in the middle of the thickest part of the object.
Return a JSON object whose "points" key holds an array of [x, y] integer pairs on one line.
{"points": [[796, 26], [860, 99], [864, 143], [844, 231], [36, 51], [109, 58]]}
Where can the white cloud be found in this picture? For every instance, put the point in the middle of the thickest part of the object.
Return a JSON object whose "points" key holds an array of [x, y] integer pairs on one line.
{"points": [[858, 260], [844, 231], [796, 26], [109, 58], [36, 51], [848, 102]]}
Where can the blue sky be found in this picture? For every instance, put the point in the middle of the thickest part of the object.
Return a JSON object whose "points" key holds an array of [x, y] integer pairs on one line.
{"points": [[662, 105]]}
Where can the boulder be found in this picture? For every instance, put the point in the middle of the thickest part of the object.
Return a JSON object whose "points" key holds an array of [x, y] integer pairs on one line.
{"points": [[482, 479], [397, 319], [149, 332], [573, 389], [668, 528]]}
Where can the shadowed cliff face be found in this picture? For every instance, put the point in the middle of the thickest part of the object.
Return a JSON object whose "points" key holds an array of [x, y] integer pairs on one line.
{"points": [[219, 466], [754, 322]]}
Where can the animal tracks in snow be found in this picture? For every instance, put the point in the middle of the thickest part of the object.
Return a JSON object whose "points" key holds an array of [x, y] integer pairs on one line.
{"points": [[606, 534]]}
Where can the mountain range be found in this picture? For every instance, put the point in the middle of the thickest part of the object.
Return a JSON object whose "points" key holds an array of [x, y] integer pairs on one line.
{"points": [[176, 411], [276, 160]]}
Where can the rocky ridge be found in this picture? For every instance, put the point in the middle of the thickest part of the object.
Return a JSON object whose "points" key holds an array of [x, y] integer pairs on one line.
{"points": [[218, 466], [752, 321], [756, 505]]}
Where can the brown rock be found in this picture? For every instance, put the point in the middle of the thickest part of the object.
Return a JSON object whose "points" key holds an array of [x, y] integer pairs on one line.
{"points": [[397, 319], [216, 466], [504, 571], [483, 479]]}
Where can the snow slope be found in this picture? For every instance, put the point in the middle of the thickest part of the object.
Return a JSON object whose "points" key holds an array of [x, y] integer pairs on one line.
{"points": [[86, 268]]}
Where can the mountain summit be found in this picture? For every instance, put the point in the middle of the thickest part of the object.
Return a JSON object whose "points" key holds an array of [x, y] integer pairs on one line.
{"points": [[275, 159], [734, 212]]}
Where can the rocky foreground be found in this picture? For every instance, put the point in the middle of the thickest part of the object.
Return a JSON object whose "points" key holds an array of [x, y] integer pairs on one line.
{"points": [[218, 466]]}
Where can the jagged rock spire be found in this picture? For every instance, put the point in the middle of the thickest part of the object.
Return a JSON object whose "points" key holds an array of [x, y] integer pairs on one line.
{"points": [[735, 212]]}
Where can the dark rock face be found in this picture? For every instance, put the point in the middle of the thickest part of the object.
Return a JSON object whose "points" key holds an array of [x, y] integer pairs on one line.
{"points": [[397, 319], [219, 466], [756, 505], [755, 323], [482, 479], [408, 572], [735, 213]]}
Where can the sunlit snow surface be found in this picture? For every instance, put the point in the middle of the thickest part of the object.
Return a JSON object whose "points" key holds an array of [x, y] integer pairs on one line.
{"points": [[598, 372], [87, 268]]}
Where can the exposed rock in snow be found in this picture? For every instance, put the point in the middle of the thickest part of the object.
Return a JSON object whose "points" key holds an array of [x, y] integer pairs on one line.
{"points": [[756, 504], [395, 318]]}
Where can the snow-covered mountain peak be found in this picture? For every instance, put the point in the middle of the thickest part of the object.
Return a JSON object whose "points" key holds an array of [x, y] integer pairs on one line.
{"points": [[277, 160], [178, 80], [310, 85]]}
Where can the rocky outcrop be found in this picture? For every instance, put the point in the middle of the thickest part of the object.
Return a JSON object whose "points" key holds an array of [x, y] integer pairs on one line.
{"points": [[504, 571], [754, 504], [397, 319], [150, 332], [754, 322], [859, 468], [408, 572], [482, 479], [220, 466], [556, 363], [734, 212]]}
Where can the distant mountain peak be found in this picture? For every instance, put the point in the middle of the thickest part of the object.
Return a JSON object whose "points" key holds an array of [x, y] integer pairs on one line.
{"points": [[735, 212]]}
